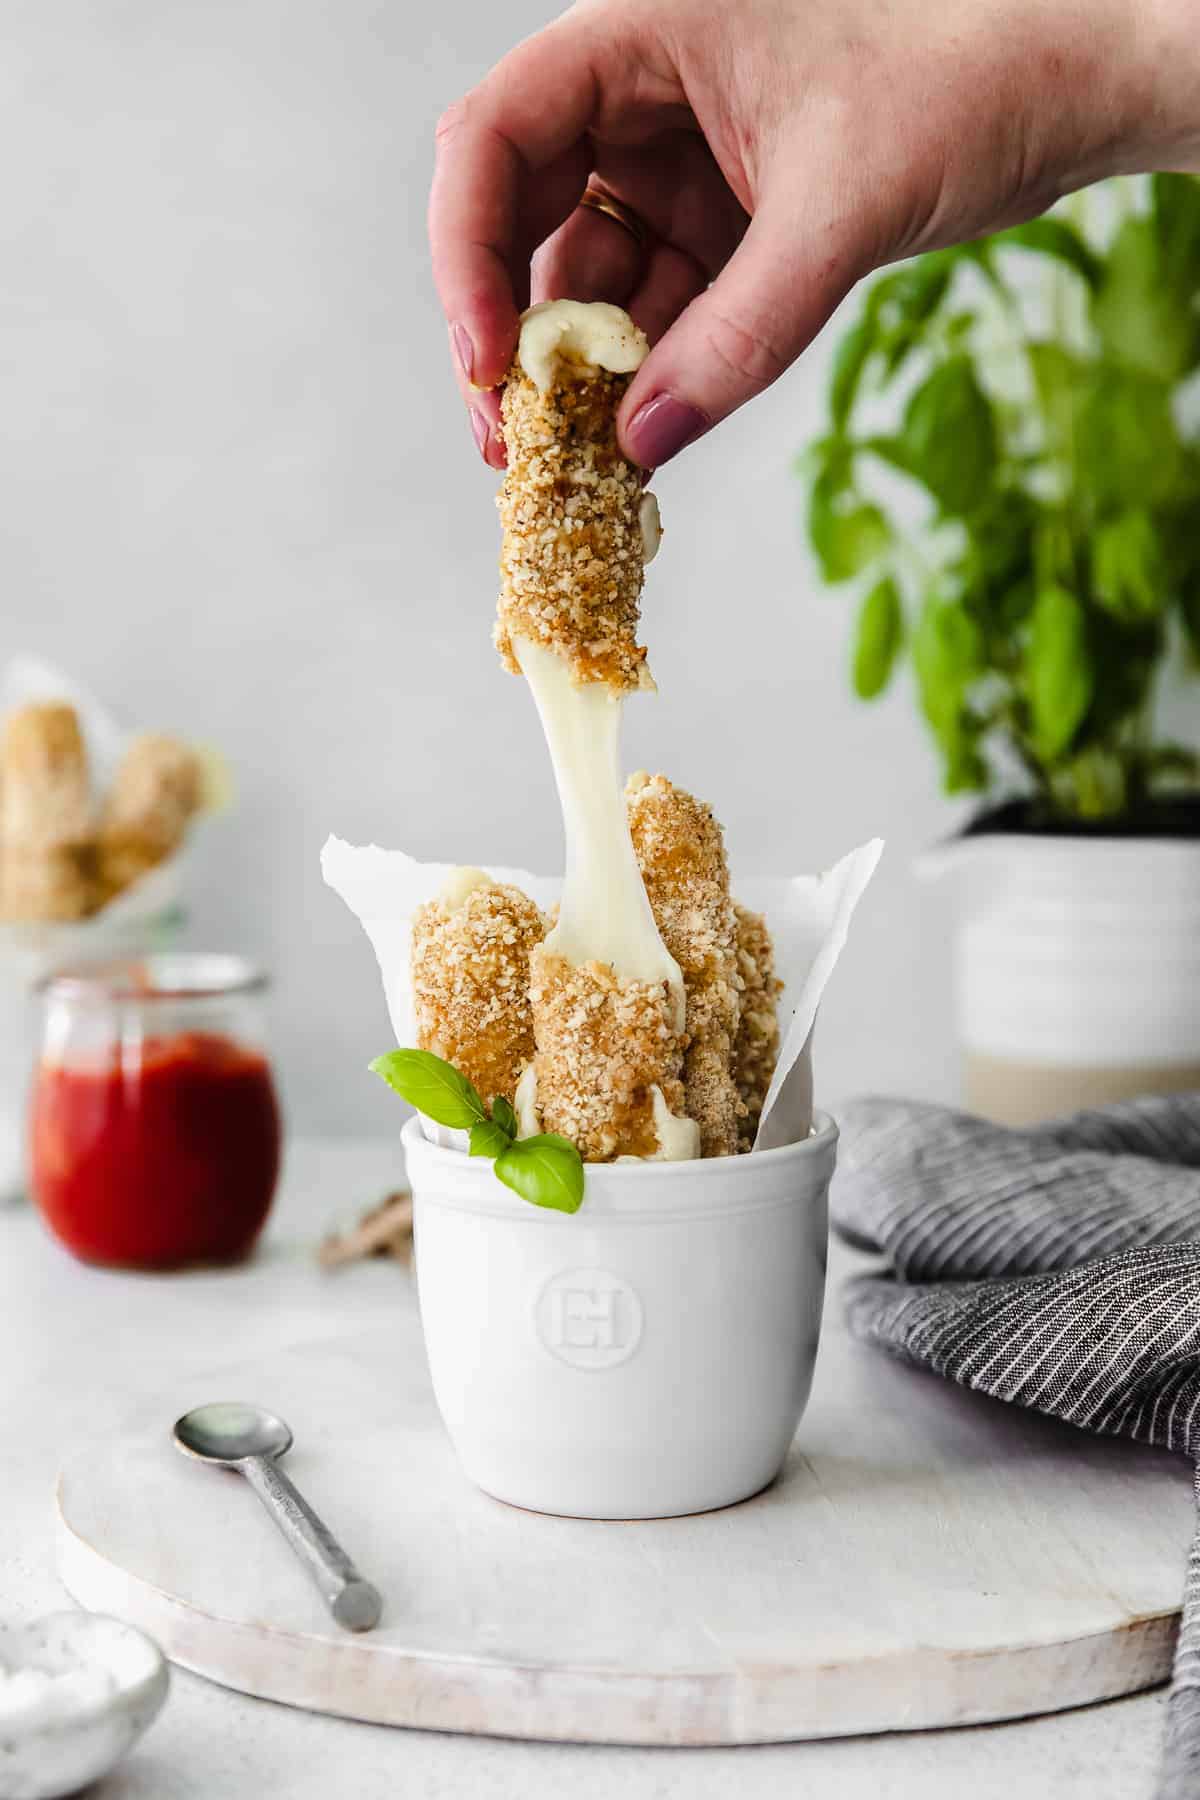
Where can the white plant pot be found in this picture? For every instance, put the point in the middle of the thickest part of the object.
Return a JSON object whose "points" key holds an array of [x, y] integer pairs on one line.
{"points": [[1077, 970], [646, 1356]]}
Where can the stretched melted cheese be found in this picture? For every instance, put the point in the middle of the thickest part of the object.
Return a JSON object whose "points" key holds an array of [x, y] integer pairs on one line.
{"points": [[604, 915]]}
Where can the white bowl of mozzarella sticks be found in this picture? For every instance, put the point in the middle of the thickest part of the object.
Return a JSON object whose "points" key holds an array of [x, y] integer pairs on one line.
{"points": [[620, 1246]]}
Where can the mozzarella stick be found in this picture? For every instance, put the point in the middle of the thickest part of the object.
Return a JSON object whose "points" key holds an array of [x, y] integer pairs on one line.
{"points": [[157, 791], [681, 852], [608, 1061], [571, 507], [756, 1048], [470, 979], [47, 886], [45, 795], [47, 859]]}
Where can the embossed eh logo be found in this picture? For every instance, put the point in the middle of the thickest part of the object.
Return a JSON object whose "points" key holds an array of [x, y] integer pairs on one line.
{"points": [[589, 1318]]}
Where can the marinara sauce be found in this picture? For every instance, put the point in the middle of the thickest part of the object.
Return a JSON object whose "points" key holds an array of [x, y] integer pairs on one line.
{"points": [[154, 1141]]}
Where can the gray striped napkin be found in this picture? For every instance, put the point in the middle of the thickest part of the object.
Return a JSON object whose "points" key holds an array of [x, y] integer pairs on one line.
{"points": [[1056, 1267]]}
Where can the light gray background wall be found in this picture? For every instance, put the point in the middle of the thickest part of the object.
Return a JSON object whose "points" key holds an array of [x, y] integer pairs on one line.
{"points": [[240, 500]]}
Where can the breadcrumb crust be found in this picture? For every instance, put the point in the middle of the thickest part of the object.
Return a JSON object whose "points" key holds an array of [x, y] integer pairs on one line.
{"points": [[571, 561], [680, 849], [157, 791], [47, 850], [471, 984], [602, 1044], [756, 1046]]}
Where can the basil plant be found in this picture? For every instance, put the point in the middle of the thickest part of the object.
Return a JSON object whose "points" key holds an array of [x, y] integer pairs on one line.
{"points": [[1045, 417]]}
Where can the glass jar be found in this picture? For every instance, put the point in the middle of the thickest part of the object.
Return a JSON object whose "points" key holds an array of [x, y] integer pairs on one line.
{"points": [[28, 953], [154, 1130]]}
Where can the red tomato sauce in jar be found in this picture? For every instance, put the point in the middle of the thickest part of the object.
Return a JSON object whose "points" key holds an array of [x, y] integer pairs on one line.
{"points": [[152, 1161]]}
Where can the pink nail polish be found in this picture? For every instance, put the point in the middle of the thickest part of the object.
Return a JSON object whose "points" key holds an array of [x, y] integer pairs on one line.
{"points": [[464, 349], [661, 427], [479, 427]]}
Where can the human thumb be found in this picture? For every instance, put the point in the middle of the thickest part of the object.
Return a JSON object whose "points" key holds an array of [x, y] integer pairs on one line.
{"points": [[768, 303]]}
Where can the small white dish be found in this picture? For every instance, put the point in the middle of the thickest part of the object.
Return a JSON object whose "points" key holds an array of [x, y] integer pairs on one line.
{"points": [[77, 1690], [647, 1356]]}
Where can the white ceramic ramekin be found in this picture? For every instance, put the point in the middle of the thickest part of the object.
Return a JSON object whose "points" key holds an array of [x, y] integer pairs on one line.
{"points": [[648, 1355]]}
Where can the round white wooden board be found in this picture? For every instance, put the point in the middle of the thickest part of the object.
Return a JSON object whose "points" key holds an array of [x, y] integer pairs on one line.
{"points": [[927, 1558]]}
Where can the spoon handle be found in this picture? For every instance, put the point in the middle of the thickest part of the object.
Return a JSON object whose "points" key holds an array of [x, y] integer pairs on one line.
{"points": [[354, 1603]]}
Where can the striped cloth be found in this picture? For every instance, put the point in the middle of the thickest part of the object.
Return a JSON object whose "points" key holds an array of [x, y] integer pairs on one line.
{"points": [[1056, 1267]]}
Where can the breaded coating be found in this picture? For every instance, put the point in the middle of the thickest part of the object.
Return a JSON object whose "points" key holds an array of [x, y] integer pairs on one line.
{"points": [[470, 982], [48, 886], [158, 789], [602, 1045], [571, 563], [681, 852], [756, 1048], [47, 862], [45, 794]]}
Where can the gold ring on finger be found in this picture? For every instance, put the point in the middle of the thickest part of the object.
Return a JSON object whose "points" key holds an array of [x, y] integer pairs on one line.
{"points": [[600, 201]]}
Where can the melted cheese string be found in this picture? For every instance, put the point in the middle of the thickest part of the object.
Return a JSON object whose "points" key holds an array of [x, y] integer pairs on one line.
{"points": [[604, 915]]}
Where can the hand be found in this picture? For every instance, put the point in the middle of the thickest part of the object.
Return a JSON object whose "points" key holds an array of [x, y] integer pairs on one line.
{"points": [[777, 150]]}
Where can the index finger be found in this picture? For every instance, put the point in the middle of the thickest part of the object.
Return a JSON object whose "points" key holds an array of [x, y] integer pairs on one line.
{"points": [[525, 116]]}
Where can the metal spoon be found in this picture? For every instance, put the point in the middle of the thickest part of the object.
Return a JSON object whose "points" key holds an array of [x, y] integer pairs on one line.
{"points": [[248, 1439]]}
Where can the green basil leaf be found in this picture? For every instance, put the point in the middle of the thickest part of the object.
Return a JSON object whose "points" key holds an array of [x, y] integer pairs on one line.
{"points": [[1176, 217], [1143, 320], [434, 1087], [892, 451], [916, 290], [1059, 670], [1054, 237], [1128, 576], [846, 533], [895, 344], [849, 361], [504, 1115], [949, 436], [1015, 604], [877, 639], [1063, 382], [489, 1139], [1001, 536], [900, 304], [546, 1171], [1127, 448], [948, 654], [959, 328], [966, 772]]}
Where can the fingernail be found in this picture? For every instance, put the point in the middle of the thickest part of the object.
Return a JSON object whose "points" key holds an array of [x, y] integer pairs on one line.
{"points": [[464, 349], [479, 426], [661, 427]]}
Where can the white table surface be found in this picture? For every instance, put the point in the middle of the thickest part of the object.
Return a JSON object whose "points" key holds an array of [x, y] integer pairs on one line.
{"points": [[79, 1346]]}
